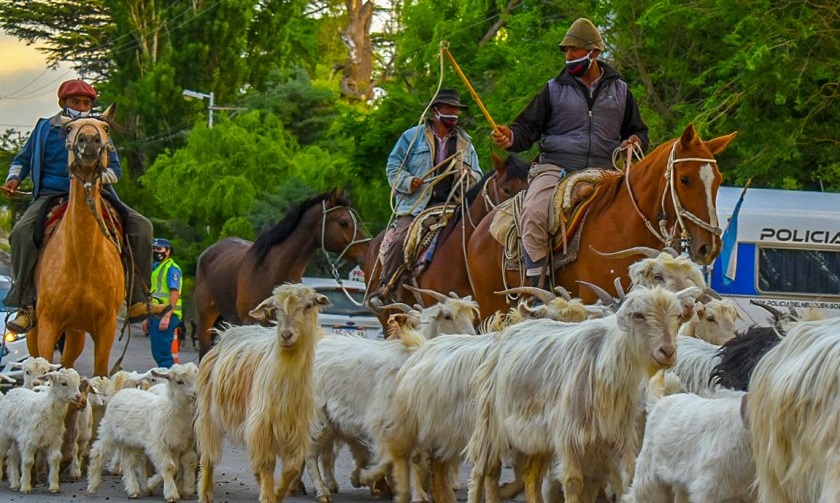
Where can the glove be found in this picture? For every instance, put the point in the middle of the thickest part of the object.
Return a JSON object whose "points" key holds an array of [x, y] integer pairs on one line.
{"points": [[502, 136]]}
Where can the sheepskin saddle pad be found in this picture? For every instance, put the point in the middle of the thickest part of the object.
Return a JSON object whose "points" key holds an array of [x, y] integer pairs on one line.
{"points": [[572, 199], [422, 235]]}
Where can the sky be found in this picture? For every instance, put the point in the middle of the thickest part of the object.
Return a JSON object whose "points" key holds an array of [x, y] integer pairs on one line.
{"points": [[27, 87]]}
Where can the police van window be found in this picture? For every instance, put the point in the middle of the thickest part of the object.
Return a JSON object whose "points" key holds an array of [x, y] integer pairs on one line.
{"points": [[786, 270]]}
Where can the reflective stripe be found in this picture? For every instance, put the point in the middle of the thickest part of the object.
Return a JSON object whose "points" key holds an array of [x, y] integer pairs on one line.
{"points": [[160, 288]]}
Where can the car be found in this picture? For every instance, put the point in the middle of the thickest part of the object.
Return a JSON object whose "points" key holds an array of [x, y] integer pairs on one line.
{"points": [[13, 346], [344, 316]]}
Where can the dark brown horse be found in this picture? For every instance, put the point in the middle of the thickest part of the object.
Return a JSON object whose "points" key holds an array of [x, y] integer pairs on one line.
{"points": [[680, 172], [233, 276], [447, 272]]}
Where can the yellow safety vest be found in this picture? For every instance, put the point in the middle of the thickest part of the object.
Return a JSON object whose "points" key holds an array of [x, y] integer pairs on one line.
{"points": [[160, 288]]}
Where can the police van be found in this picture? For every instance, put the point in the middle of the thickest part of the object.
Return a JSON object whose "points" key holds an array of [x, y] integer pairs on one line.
{"points": [[786, 252]]}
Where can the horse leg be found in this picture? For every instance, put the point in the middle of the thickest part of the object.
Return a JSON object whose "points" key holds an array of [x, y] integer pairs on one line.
{"points": [[74, 344], [32, 341], [103, 341], [206, 319], [47, 333]]}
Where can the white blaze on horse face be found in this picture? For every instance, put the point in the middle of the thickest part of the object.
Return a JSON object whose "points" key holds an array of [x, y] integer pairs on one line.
{"points": [[707, 176]]}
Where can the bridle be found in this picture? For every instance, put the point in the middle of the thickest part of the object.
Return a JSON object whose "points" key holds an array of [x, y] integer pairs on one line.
{"points": [[669, 238], [356, 226]]}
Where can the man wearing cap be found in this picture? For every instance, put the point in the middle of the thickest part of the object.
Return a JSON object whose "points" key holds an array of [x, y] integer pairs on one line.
{"points": [[44, 159], [421, 155], [579, 118], [166, 291]]}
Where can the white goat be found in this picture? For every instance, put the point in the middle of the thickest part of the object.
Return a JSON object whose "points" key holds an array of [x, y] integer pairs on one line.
{"points": [[255, 387], [715, 321], [696, 449], [793, 410], [696, 359], [573, 392], [31, 421], [353, 377], [139, 421], [451, 315], [34, 368]]}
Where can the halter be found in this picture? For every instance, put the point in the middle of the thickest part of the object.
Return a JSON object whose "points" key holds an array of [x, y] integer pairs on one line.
{"points": [[77, 150], [356, 226], [668, 239]]}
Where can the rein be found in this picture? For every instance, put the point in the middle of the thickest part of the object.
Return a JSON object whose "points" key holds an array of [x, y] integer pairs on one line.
{"points": [[668, 238], [333, 266]]}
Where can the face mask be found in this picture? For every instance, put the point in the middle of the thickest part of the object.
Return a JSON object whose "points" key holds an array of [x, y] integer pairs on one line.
{"points": [[448, 121], [578, 67], [159, 256], [75, 114]]}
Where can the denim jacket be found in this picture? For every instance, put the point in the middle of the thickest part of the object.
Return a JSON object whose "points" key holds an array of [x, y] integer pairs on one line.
{"points": [[403, 165]]}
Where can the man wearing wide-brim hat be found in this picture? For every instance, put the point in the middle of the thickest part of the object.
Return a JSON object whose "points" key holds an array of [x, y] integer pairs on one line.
{"points": [[422, 170], [579, 118]]}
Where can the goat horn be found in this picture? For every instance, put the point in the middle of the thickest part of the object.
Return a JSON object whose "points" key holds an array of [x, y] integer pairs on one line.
{"points": [[713, 294], [544, 295], [398, 305], [431, 293], [674, 253], [636, 250], [563, 292], [602, 294], [619, 289], [770, 309]]}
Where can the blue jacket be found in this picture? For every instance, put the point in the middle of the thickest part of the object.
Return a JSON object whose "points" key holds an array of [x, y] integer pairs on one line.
{"points": [[403, 165], [30, 162]]}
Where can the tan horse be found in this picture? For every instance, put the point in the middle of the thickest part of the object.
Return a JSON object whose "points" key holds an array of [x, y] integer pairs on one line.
{"points": [[679, 173], [80, 279]]}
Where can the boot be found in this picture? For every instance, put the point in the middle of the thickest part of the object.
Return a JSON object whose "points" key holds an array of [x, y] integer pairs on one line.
{"points": [[23, 321], [139, 311]]}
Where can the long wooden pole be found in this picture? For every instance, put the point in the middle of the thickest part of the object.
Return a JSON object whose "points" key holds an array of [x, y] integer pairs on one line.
{"points": [[444, 47]]}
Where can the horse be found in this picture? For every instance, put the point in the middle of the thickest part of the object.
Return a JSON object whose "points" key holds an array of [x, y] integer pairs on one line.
{"points": [[234, 275], [677, 183], [447, 271], [80, 279]]}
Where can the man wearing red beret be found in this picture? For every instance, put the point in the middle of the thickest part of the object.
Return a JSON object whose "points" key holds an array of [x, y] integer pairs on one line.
{"points": [[44, 159]]}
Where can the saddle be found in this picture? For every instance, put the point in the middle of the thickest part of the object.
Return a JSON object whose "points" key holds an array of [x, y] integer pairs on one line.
{"points": [[571, 201], [114, 215], [420, 239]]}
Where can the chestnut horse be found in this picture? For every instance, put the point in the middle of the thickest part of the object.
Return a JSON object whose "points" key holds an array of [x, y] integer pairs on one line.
{"points": [[447, 272], [80, 278], [233, 275], [680, 172]]}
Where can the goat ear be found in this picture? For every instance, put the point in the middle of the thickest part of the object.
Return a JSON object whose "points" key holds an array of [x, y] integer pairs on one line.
{"points": [[688, 299], [159, 373], [264, 311], [322, 300], [745, 411]]}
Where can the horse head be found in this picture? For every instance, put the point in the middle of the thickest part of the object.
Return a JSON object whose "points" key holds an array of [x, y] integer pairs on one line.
{"points": [[509, 178], [342, 230], [88, 143]]}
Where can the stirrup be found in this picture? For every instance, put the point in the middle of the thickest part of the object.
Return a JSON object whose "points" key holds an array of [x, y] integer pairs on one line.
{"points": [[23, 322]]}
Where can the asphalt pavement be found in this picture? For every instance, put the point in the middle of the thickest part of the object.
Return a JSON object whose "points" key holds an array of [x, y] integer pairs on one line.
{"points": [[234, 481]]}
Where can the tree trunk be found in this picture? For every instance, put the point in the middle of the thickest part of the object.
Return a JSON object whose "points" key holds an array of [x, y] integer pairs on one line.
{"points": [[358, 69]]}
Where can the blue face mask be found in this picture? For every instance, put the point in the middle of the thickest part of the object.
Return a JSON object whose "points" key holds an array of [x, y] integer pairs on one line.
{"points": [[580, 66], [75, 114]]}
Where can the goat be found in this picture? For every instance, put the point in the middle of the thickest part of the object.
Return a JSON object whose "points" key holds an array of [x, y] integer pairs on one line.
{"points": [[793, 408], [573, 391], [255, 387]]}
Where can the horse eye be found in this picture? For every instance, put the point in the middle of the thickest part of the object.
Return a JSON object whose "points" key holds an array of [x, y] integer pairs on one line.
{"points": [[684, 180], [344, 223], [506, 191], [106, 128]]}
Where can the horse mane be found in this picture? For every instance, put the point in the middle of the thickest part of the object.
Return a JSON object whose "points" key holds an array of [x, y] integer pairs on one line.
{"points": [[280, 231]]}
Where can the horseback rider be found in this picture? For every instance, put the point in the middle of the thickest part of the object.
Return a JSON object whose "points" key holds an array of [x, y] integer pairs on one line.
{"points": [[419, 175], [44, 158], [579, 117]]}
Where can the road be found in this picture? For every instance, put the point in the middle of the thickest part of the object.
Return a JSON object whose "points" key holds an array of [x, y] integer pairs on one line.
{"points": [[234, 480]]}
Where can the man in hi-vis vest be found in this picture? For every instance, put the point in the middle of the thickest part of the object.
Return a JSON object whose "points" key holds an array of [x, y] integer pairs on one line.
{"points": [[166, 289]]}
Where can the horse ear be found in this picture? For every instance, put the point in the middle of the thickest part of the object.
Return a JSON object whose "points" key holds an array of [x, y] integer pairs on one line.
{"points": [[688, 135], [719, 144], [333, 196], [498, 163], [109, 112]]}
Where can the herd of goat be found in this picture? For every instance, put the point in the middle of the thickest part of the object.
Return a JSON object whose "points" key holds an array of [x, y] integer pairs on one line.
{"points": [[654, 396]]}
